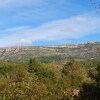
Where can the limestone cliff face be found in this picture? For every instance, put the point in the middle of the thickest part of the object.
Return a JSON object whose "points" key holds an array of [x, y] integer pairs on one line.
{"points": [[9, 50]]}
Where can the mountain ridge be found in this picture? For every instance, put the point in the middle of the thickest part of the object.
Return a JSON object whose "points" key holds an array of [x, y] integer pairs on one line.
{"points": [[87, 50]]}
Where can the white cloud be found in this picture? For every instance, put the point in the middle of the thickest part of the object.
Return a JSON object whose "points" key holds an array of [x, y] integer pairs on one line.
{"points": [[24, 42], [70, 28]]}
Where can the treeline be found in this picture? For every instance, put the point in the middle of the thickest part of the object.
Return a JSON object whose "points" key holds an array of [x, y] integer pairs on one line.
{"points": [[76, 80]]}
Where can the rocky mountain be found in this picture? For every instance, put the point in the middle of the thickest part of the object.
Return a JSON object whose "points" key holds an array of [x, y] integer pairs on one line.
{"points": [[88, 50]]}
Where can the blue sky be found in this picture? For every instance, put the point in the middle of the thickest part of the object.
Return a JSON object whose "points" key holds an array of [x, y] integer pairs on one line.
{"points": [[48, 22]]}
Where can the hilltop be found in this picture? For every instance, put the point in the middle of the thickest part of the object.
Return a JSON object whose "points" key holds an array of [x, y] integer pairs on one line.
{"points": [[88, 50]]}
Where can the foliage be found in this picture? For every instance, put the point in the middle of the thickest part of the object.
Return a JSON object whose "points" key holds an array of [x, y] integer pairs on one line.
{"points": [[91, 91], [44, 81]]}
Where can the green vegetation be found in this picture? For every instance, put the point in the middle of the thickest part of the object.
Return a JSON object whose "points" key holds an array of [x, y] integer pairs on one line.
{"points": [[48, 59], [74, 80]]}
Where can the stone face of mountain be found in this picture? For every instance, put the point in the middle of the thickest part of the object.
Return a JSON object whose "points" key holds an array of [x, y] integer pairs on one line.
{"points": [[81, 51]]}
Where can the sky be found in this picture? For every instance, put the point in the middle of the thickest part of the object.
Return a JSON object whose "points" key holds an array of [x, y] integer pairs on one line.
{"points": [[48, 22]]}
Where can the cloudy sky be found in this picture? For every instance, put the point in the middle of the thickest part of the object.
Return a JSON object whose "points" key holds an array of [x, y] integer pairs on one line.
{"points": [[48, 22]]}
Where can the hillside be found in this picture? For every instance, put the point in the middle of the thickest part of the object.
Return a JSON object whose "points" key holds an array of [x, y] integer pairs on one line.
{"points": [[88, 50]]}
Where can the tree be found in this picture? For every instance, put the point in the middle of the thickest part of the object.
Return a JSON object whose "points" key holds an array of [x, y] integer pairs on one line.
{"points": [[34, 65], [91, 91], [72, 67]]}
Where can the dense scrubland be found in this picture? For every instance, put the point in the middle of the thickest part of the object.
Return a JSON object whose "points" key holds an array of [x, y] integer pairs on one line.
{"points": [[71, 80]]}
